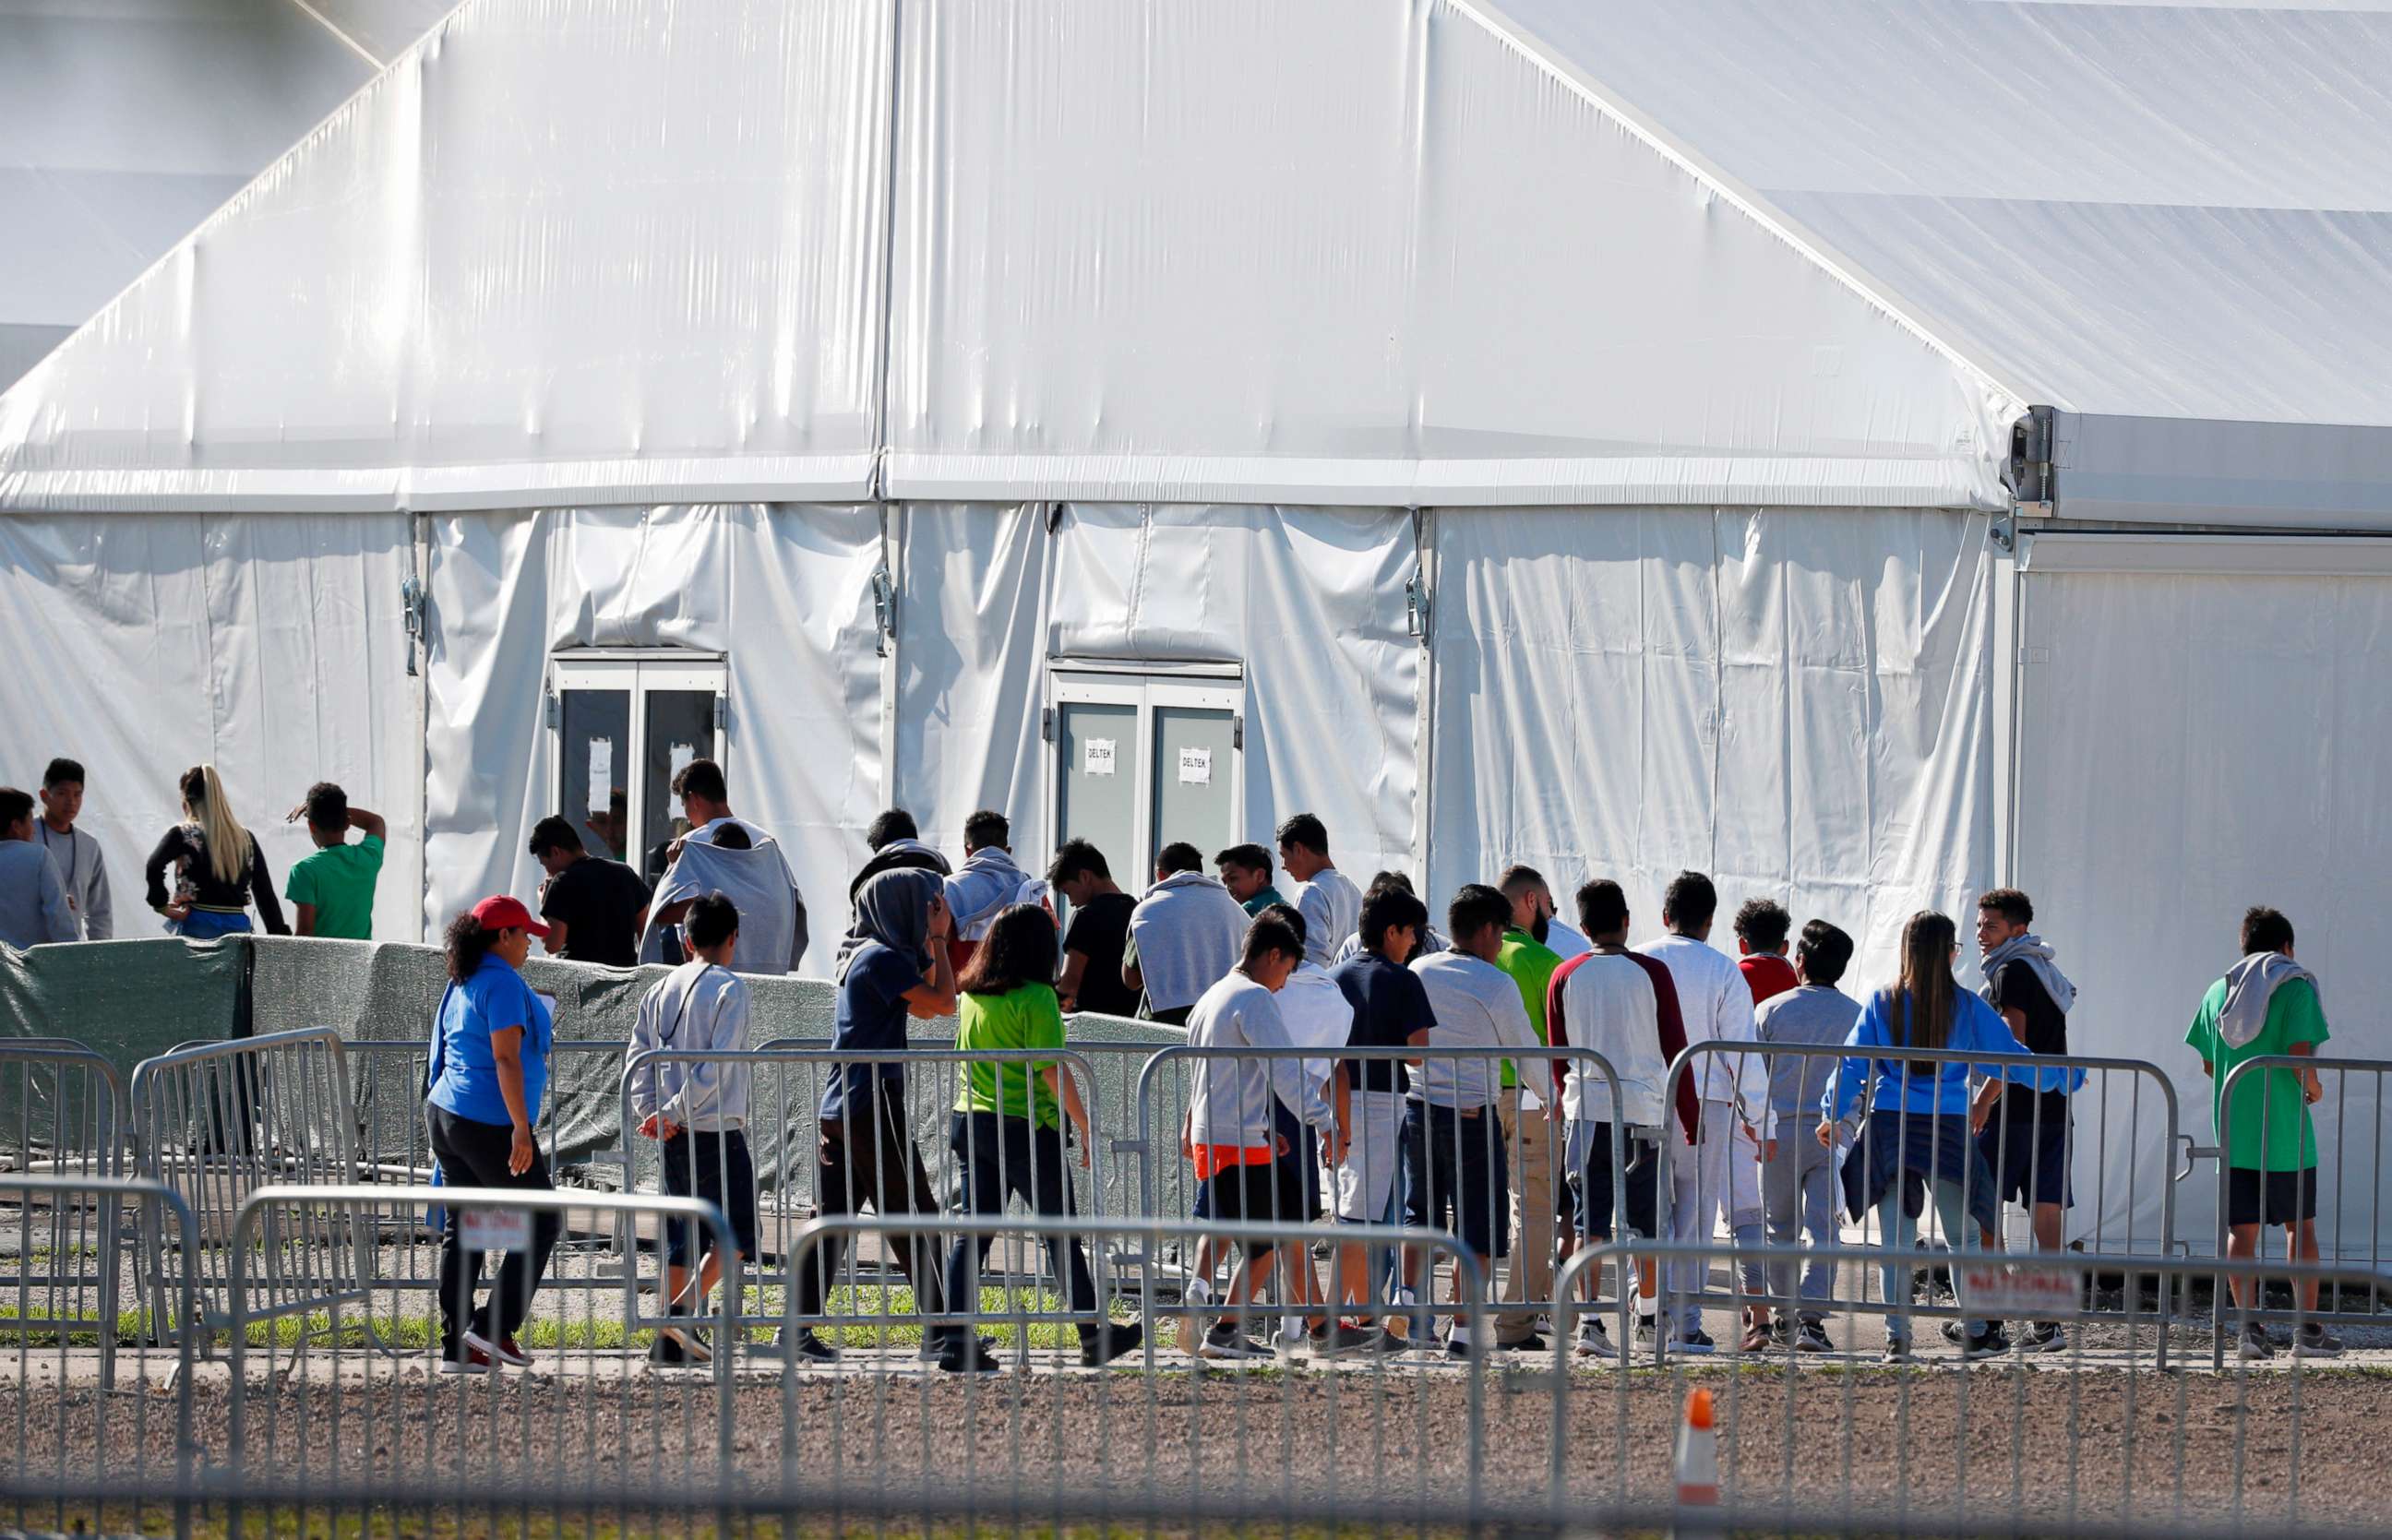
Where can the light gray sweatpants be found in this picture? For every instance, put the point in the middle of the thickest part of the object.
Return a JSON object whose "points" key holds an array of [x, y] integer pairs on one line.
{"points": [[1798, 1191]]}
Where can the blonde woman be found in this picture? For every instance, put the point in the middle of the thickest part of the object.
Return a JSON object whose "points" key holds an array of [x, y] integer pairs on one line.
{"points": [[220, 870]]}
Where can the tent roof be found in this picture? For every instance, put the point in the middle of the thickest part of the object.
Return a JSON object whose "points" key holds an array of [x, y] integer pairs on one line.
{"points": [[1786, 251], [2142, 209], [124, 123]]}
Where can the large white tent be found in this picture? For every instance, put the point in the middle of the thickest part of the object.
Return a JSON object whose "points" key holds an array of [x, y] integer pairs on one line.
{"points": [[125, 122], [1865, 451]]}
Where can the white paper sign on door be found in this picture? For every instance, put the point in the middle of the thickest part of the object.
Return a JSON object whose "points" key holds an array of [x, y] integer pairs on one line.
{"points": [[602, 773], [1096, 756], [682, 756], [1195, 767]]}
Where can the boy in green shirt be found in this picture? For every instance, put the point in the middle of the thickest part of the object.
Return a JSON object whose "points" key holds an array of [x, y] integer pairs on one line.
{"points": [[333, 889], [2266, 1005], [1527, 1118]]}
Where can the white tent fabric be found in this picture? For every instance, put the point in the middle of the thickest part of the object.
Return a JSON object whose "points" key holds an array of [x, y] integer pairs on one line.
{"points": [[271, 646], [1310, 601], [2201, 730], [122, 125], [2123, 210], [1799, 703], [484, 282], [792, 582], [1346, 252]]}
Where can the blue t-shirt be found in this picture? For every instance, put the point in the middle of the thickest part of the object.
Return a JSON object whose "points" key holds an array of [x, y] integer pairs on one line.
{"points": [[1390, 1004], [463, 1075], [871, 1020]]}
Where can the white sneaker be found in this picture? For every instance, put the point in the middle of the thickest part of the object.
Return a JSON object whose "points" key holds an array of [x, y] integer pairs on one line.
{"points": [[1594, 1342]]}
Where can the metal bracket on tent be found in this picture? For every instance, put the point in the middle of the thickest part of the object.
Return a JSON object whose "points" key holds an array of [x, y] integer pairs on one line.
{"points": [[410, 610], [1238, 732], [2032, 438], [1047, 725], [1416, 607], [884, 608]]}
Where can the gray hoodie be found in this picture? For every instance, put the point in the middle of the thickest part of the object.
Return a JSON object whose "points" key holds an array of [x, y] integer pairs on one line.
{"points": [[1188, 933], [2250, 986]]}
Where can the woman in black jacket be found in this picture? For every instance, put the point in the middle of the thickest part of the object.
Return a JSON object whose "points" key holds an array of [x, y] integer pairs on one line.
{"points": [[219, 870]]}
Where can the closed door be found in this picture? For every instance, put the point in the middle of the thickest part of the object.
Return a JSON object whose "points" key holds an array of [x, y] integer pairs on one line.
{"points": [[1097, 780], [1194, 763], [595, 754]]}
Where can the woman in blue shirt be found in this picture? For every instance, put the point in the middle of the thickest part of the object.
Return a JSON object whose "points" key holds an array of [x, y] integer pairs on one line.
{"points": [[1917, 1133], [482, 1091]]}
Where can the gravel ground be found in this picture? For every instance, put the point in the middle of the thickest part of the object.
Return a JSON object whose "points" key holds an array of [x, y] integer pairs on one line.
{"points": [[2145, 1447]]}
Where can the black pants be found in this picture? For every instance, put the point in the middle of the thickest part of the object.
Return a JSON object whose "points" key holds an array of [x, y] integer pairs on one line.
{"points": [[474, 1155], [1003, 1157], [868, 1157]]}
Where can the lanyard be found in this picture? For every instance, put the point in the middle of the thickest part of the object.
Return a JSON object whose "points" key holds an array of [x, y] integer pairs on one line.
{"points": [[665, 1038]]}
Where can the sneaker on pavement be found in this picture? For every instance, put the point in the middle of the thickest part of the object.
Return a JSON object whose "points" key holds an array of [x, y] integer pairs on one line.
{"points": [[1594, 1342], [1759, 1338], [1695, 1341], [1897, 1350], [810, 1349], [466, 1359], [2043, 1336], [1531, 1343], [1110, 1342], [1810, 1338], [2255, 1343], [667, 1349], [1646, 1328], [1954, 1334], [1226, 1343], [499, 1350], [1337, 1337], [692, 1341], [971, 1357], [1186, 1334], [1990, 1343], [2314, 1341]]}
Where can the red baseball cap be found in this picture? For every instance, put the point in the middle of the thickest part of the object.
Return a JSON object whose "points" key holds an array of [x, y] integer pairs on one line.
{"points": [[501, 911]]}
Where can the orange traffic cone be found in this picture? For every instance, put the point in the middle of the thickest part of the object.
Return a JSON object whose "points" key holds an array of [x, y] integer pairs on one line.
{"points": [[1698, 1455]]}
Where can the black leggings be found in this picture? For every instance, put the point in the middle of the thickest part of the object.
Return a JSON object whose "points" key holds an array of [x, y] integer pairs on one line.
{"points": [[1004, 1157], [868, 1157], [474, 1154]]}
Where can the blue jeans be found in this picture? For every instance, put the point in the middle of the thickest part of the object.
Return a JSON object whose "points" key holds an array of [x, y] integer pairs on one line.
{"points": [[206, 924], [1898, 1232]]}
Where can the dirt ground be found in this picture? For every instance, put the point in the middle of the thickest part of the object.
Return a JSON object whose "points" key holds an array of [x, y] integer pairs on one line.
{"points": [[2092, 1445]]}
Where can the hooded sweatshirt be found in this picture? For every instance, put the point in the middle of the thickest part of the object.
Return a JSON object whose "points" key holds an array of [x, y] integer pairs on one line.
{"points": [[898, 855], [883, 956], [990, 883], [2249, 985], [2030, 950], [1188, 933]]}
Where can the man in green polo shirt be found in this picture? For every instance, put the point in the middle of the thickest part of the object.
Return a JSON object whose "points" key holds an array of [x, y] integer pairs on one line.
{"points": [[2266, 1005], [1528, 1130], [333, 889], [1246, 872]]}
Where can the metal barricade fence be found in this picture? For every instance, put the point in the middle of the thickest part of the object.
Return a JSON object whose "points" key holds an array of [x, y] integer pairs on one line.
{"points": [[1781, 1184], [217, 1120], [1843, 1437], [2263, 1175], [63, 1390], [394, 1145], [63, 1109], [902, 1147], [1518, 1181], [1018, 1411], [307, 1416]]}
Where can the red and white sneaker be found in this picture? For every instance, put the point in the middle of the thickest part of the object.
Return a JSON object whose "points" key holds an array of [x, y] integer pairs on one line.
{"points": [[503, 1349]]}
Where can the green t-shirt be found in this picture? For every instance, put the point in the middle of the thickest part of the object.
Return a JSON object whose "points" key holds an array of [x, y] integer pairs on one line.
{"points": [[1531, 964], [339, 882], [1264, 898], [2268, 1103], [1023, 1019]]}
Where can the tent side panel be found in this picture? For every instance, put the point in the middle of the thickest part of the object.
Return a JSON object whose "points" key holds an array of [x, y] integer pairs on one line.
{"points": [[2192, 742], [1309, 603], [267, 645], [1797, 703], [784, 592]]}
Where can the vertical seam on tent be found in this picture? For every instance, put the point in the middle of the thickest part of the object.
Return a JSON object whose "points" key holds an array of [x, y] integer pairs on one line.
{"points": [[1789, 681], [208, 628], [888, 306], [1719, 685]]}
